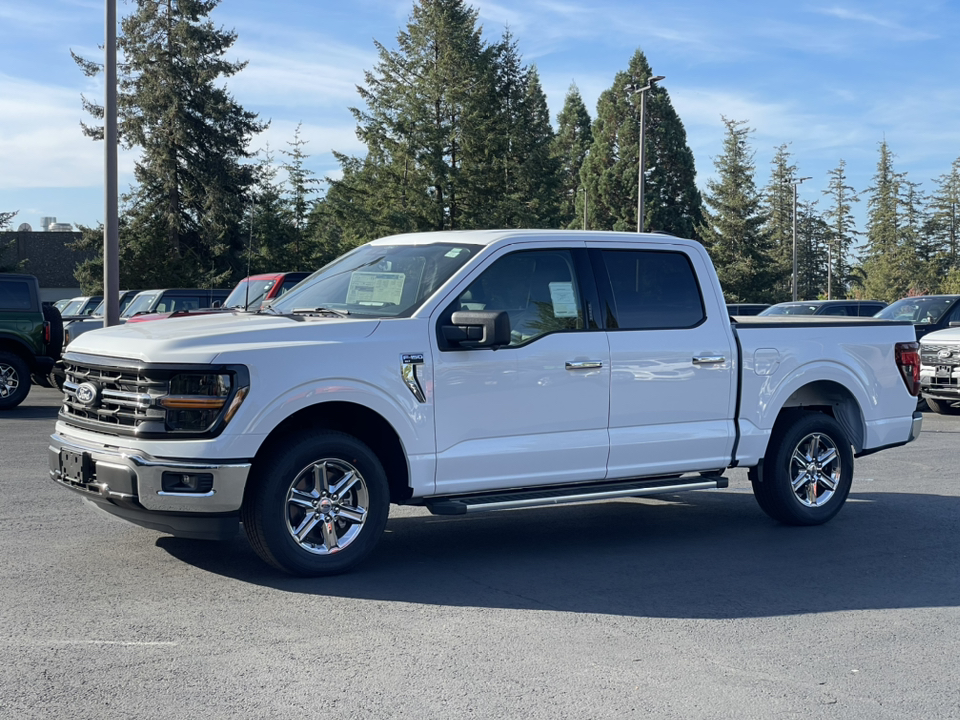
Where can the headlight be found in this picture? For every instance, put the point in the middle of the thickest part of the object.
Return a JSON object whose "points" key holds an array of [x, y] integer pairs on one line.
{"points": [[196, 402]]}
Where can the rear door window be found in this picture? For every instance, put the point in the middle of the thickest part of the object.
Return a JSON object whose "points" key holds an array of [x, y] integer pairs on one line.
{"points": [[651, 290]]}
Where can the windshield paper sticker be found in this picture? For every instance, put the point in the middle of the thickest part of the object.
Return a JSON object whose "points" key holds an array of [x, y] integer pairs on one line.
{"points": [[373, 288], [564, 300]]}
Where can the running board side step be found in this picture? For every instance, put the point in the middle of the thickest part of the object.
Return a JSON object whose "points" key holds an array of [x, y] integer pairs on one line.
{"points": [[561, 495]]}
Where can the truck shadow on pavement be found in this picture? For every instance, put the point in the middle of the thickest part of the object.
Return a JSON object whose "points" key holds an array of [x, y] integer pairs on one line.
{"points": [[697, 555], [32, 412]]}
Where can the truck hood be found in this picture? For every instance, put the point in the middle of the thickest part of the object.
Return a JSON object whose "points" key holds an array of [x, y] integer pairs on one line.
{"points": [[202, 338], [949, 335]]}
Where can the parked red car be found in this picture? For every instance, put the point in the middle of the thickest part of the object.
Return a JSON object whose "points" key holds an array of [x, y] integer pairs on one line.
{"points": [[249, 295]]}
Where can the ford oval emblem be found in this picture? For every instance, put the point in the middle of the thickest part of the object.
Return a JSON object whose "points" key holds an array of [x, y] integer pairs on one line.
{"points": [[88, 394], [944, 354]]}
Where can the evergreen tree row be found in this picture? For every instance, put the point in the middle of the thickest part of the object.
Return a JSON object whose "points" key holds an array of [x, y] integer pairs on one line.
{"points": [[458, 136]]}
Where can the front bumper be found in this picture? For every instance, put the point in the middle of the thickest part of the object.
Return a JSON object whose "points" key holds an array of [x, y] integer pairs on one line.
{"points": [[128, 483]]}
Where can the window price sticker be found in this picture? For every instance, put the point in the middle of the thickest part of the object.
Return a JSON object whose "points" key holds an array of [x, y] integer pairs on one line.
{"points": [[375, 288], [564, 299]]}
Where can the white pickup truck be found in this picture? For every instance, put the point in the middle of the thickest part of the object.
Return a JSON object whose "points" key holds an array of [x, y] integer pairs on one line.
{"points": [[467, 372]]}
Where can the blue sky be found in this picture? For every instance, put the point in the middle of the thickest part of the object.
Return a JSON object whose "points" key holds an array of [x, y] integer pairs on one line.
{"points": [[832, 78]]}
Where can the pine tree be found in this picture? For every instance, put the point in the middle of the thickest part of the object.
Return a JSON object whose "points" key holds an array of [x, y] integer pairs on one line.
{"points": [[917, 264], [732, 229], [843, 231], [299, 182], [273, 236], [429, 106], [778, 207], [5, 265], [943, 228], [172, 105], [881, 259], [570, 147], [813, 236], [672, 202]]}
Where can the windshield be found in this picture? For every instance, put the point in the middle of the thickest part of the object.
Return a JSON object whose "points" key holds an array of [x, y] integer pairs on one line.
{"points": [[258, 290], [798, 309], [378, 280], [141, 303], [73, 307], [921, 310]]}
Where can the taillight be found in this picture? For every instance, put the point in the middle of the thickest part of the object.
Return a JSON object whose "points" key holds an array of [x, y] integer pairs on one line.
{"points": [[46, 332], [908, 360]]}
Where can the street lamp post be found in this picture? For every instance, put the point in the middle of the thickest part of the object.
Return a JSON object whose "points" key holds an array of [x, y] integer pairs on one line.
{"points": [[795, 184], [584, 188], [642, 161], [111, 254]]}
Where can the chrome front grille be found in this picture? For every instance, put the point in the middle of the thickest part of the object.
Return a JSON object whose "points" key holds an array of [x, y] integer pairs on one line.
{"points": [[930, 354], [125, 398]]}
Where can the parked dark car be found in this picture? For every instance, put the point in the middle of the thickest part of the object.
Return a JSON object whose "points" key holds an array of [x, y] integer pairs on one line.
{"points": [[926, 312], [746, 308], [840, 308], [31, 337], [172, 300]]}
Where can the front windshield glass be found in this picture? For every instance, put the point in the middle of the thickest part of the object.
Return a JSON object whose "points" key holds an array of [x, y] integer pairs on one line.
{"points": [[141, 303], [799, 309], [258, 290], [73, 307], [378, 280], [920, 310]]}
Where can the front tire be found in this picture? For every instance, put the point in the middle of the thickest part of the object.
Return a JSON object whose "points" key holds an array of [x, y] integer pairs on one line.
{"points": [[317, 505], [14, 380], [942, 407], [807, 470]]}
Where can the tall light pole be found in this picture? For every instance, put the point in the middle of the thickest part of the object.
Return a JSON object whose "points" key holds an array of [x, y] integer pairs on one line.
{"points": [[584, 188], [111, 253], [643, 127], [795, 183]]}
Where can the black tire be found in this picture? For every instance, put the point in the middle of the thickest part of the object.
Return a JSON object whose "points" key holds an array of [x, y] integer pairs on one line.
{"points": [[296, 484], [14, 380], [52, 316], [942, 407], [822, 443]]}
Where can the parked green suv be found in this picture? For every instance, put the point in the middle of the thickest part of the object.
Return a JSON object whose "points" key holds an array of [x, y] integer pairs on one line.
{"points": [[31, 337]]}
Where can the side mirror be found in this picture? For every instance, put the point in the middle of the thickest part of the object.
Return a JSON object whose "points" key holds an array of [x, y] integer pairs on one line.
{"points": [[954, 323], [478, 329], [216, 304]]}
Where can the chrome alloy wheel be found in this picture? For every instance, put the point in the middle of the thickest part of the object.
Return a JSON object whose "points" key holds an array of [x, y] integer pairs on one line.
{"points": [[815, 469], [326, 506], [9, 380]]}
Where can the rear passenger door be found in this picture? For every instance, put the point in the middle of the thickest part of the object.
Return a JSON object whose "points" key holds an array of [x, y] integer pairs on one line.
{"points": [[672, 396]]}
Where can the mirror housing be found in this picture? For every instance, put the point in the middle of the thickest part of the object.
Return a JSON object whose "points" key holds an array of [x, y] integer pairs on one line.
{"points": [[478, 329]]}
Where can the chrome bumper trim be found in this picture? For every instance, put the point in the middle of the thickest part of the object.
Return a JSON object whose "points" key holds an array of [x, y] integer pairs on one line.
{"points": [[229, 479]]}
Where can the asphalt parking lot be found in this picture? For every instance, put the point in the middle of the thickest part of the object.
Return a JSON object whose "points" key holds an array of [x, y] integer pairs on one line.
{"points": [[684, 606]]}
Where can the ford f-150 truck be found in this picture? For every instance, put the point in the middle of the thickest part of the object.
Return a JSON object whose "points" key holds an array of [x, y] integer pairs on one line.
{"points": [[469, 372]]}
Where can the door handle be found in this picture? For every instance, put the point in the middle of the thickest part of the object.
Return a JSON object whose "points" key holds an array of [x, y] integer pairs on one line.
{"points": [[708, 359], [583, 364]]}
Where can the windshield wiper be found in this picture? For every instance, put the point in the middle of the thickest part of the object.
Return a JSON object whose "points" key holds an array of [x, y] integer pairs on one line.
{"points": [[319, 311]]}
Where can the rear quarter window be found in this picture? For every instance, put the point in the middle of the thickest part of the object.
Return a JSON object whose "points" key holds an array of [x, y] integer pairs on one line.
{"points": [[15, 295]]}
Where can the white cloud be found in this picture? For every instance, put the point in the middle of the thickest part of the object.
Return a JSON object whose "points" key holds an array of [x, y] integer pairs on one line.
{"points": [[41, 144], [899, 31]]}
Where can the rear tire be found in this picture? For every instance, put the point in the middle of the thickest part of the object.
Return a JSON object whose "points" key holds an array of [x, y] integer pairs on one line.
{"points": [[14, 380], [807, 470], [942, 407], [317, 505]]}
